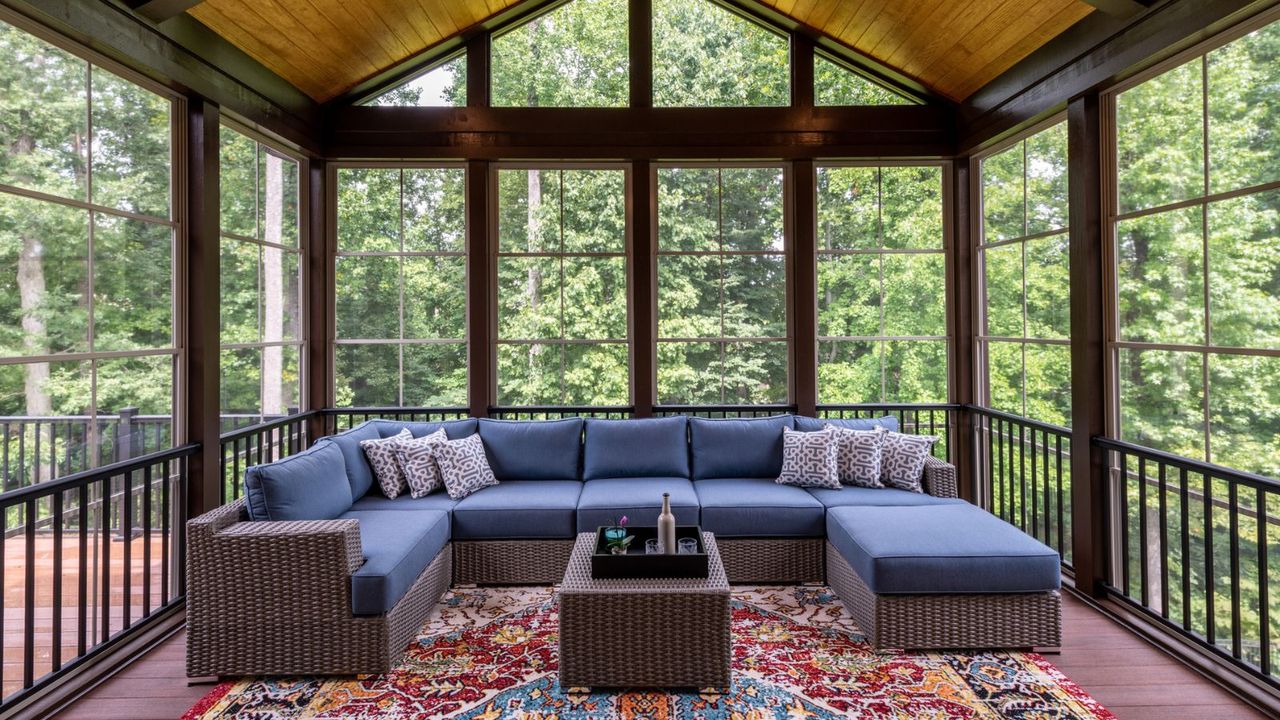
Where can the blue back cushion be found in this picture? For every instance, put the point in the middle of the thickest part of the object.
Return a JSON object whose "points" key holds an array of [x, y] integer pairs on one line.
{"points": [[311, 485], [359, 473], [455, 429], [748, 448], [808, 424], [533, 449], [648, 447]]}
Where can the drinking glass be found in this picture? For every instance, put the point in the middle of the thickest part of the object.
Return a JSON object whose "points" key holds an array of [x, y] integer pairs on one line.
{"points": [[687, 546], [652, 547]]}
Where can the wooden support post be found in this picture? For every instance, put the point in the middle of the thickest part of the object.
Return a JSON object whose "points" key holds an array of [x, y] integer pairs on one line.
{"points": [[478, 71], [963, 309], [641, 286], [202, 306], [801, 70], [804, 288], [320, 291], [1088, 345], [479, 331], [640, 48]]}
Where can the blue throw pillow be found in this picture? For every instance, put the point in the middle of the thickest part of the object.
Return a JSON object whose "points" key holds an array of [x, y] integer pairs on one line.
{"points": [[808, 424], [359, 472], [455, 429], [746, 448], [646, 447], [533, 449], [311, 485]]}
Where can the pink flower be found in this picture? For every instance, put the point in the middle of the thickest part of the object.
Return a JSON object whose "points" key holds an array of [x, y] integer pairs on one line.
{"points": [[623, 521]]}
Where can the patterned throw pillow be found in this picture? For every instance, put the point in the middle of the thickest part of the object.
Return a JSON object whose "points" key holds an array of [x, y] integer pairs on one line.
{"points": [[463, 466], [809, 459], [386, 465], [858, 455], [902, 462], [418, 462]]}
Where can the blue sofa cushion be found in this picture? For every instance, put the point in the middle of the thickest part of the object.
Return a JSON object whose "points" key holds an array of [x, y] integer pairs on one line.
{"points": [[533, 449], [518, 509], [359, 473], [397, 545], [808, 424], [878, 497], [747, 448], [455, 429], [745, 507], [639, 498], [940, 549], [648, 447], [438, 500], [311, 485]]}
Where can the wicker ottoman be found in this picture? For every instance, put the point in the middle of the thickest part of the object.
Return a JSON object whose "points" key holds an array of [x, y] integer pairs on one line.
{"points": [[650, 633]]}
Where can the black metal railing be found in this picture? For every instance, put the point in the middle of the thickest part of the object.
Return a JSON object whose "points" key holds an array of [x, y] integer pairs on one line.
{"points": [[241, 449], [559, 412], [1022, 474], [96, 554], [723, 411], [337, 420], [1196, 547], [34, 449], [937, 419]]}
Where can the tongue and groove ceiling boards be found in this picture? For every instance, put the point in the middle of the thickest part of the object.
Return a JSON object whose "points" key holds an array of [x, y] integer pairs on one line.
{"points": [[326, 47]]}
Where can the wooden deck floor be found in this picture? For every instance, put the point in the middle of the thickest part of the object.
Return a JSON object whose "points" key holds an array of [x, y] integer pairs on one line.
{"points": [[1133, 679]]}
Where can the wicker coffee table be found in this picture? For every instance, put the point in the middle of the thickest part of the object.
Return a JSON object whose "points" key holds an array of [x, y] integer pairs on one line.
{"points": [[643, 633]]}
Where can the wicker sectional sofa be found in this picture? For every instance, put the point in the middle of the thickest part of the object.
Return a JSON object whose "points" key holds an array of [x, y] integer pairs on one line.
{"points": [[316, 572]]}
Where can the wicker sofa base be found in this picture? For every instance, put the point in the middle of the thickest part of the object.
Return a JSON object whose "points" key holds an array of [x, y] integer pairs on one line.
{"points": [[998, 620], [510, 562], [283, 632], [772, 560]]}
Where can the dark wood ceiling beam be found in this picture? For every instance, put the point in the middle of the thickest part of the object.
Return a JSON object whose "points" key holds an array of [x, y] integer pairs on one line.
{"points": [[194, 62], [161, 10], [1118, 8], [512, 133], [1096, 52]]}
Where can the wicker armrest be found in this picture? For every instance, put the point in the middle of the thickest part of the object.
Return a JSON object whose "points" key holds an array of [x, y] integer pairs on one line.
{"points": [[939, 478]]}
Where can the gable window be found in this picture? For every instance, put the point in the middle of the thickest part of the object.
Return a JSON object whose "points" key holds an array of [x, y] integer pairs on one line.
{"points": [[836, 84], [444, 85], [572, 56], [705, 55]]}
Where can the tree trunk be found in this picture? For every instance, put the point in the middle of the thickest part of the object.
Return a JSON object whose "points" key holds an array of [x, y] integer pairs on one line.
{"points": [[533, 281], [273, 301], [31, 292]]}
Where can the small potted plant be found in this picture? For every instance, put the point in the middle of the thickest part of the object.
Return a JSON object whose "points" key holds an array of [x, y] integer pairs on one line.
{"points": [[616, 537]]}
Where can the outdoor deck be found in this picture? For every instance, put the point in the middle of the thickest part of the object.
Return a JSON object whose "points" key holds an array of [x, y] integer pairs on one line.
{"points": [[1133, 679]]}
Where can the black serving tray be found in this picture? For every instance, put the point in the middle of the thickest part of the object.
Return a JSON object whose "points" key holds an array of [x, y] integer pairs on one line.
{"points": [[637, 564]]}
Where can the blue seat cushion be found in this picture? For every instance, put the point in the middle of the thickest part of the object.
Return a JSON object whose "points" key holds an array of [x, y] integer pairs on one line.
{"points": [[455, 429], [397, 545], [808, 424], [879, 497], [940, 549], [438, 500], [640, 499], [533, 449], [518, 509], [311, 485], [648, 447], [359, 473], [760, 507], [745, 448]]}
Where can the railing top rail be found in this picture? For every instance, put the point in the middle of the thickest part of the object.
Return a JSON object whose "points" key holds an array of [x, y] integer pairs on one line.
{"points": [[782, 407], [1195, 466], [990, 412], [561, 408], [85, 477], [890, 406], [252, 430], [392, 410]]}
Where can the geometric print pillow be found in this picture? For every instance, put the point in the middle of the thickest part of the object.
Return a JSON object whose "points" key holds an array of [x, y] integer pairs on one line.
{"points": [[809, 459], [418, 461], [463, 466], [858, 456], [902, 460], [386, 466]]}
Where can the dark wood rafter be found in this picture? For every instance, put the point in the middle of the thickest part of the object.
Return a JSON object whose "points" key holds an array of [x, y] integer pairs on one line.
{"points": [[1119, 8], [202, 322], [960, 277], [183, 55], [571, 133], [803, 262], [1088, 341], [1096, 52], [161, 10]]}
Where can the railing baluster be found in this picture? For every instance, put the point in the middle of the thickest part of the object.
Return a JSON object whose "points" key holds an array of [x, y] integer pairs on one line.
{"points": [[1211, 630], [1061, 514], [164, 531], [1164, 542], [55, 655], [29, 596], [126, 534], [1264, 581], [1184, 508], [146, 541], [105, 533], [1144, 588], [1124, 524], [1035, 503], [1233, 514], [82, 597]]}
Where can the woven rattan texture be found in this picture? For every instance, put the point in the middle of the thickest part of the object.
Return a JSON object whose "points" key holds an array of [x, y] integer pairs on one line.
{"points": [[939, 478], [643, 633], [772, 560], [510, 562], [1006, 620]]}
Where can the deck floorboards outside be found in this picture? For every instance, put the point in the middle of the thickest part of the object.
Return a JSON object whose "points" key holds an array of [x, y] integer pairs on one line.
{"points": [[1132, 678]]}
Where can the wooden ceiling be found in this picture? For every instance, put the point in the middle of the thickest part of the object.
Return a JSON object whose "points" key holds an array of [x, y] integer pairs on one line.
{"points": [[326, 47]]}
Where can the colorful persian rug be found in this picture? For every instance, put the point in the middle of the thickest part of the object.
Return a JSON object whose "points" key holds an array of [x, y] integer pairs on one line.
{"points": [[489, 653]]}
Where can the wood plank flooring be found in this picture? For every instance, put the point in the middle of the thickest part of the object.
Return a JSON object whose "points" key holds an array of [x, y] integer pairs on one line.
{"points": [[1124, 672]]}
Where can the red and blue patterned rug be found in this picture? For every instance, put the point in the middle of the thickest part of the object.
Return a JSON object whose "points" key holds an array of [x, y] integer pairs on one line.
{"points": [[490, 653]]}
